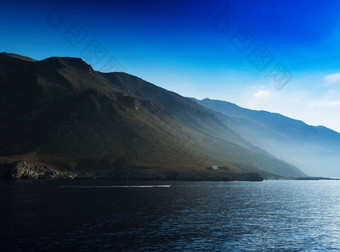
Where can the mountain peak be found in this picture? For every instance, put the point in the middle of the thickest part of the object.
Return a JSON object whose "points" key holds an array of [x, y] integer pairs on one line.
{"points": [[68, 61], [17, 56], [54, 62]]}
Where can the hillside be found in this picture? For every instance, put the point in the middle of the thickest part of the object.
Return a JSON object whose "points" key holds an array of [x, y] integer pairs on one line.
{"points": [[313, 149], [61, 116]]}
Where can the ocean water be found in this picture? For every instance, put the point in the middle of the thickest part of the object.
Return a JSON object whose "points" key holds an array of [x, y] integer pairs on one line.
{"points": [[92, 215]]}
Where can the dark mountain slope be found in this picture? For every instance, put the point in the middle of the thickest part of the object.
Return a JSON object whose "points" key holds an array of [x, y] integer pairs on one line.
{"points": [[198, 117], [61, 114]]}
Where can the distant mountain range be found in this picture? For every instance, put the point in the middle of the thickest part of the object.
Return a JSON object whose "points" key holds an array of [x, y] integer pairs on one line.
{"points": [[314, 149], [60, 118]]}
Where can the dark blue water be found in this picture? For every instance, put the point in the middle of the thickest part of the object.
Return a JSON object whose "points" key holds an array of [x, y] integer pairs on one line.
{"points": [[194, 216]]}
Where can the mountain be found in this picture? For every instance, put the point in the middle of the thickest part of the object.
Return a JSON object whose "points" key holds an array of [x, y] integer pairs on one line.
{"points": [[61, 118], [313, 149]]}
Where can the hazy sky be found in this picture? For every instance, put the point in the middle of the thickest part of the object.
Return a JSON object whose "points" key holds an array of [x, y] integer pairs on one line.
{"points": [[280, 56]]}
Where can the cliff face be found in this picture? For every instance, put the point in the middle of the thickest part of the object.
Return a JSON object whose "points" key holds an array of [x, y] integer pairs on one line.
{"points": [[59, 116]]}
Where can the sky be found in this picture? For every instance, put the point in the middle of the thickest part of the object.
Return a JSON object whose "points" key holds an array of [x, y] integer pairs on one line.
{"points": [[279, 56]]}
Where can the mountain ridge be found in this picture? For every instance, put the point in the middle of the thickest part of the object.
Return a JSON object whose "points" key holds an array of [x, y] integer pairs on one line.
{"points": [[314, 149], [61, 114]]}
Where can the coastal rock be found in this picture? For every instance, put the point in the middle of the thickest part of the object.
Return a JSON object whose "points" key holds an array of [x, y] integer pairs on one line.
{"points": [[24, 169], [29, 170]]}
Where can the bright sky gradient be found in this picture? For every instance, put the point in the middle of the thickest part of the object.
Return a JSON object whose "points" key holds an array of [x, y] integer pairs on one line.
{"points": [[193, 47]]}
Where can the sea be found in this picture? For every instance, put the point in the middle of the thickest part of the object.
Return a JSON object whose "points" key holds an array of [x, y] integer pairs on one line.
{"points": [[105, 215]]}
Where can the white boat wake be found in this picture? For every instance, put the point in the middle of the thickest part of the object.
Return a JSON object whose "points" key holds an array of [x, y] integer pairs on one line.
{"points": [[119, 186]]}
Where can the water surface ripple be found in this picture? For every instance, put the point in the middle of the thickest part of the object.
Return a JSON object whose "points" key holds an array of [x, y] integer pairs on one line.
{"points": [[172, 216]]}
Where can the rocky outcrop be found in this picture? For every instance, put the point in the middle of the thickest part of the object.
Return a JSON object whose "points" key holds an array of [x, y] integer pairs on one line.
{"points": [[29, 170]]}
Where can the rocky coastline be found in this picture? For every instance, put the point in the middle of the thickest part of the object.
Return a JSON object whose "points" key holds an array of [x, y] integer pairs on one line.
{"points": [[30, 170]]}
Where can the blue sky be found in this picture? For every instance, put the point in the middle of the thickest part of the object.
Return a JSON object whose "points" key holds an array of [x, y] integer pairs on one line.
{"points": [[193, 48]]}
